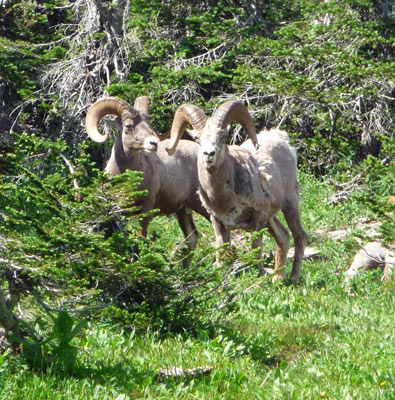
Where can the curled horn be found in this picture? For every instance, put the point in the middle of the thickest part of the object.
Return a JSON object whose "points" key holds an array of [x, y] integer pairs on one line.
{"points": [[103, 107], [185, 114], [142, 104], [238, 112]]}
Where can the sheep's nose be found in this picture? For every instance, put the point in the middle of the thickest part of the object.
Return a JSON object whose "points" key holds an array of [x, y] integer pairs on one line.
{"points": [[209, 154], [151, 144]]}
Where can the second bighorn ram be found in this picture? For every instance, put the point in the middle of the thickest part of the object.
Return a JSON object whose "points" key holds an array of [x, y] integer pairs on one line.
{"points": [[171, 182], [245, 187]]}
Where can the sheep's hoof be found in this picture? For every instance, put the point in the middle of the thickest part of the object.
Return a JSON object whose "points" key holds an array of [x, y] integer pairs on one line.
{"points": [[278, 276], [295, 275]]}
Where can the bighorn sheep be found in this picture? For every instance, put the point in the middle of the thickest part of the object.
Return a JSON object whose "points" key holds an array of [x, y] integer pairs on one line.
{"points": [[171, 182], [246, 186]]}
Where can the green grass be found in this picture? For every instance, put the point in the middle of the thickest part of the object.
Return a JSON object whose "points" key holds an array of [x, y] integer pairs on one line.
{"points": [[310, 340]]}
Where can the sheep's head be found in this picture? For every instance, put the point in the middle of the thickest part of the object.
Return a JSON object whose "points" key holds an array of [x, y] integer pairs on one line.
{"points": [[212, 139], [211, 133], [133, 122]]}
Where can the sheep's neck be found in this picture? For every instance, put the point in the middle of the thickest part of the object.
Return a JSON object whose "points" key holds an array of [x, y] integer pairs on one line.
{"points": [[119, 162], [217, 184], [130, 161]]}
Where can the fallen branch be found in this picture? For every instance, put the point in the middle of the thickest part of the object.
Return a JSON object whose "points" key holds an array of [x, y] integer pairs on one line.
{"points": [[177, 372]]}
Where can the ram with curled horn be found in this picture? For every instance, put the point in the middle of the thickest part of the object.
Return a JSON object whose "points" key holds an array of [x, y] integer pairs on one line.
{"points": [[245, 187], [137, 147]]}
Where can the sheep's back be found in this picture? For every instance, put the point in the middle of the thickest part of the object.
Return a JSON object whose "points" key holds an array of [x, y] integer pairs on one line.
{"points": [[178, 177], [277, 159]]}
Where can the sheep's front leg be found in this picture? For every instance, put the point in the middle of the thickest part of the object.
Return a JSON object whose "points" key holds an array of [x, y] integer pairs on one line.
{"points": [[257, 243], [148, 205], [144, 225], [185, 220], [282, 238], [222, 235]]}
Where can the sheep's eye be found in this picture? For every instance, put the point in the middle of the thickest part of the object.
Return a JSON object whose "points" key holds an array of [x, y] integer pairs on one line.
{"points": [[129, 127]]}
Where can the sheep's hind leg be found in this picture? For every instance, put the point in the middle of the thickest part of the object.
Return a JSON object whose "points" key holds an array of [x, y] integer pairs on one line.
{"points": [[292, 216], [282, 238]]}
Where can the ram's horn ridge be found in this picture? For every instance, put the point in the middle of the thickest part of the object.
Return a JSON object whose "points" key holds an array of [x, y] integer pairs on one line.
{"points": [[185, 114], [103, 107], [142, 104], [235, 111]]}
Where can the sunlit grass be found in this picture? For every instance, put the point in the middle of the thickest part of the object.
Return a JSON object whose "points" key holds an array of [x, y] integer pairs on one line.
{"points": [[310, 340]]}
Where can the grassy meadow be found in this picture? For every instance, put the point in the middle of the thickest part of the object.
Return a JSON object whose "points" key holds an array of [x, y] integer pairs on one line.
{"points": [[312, 340]]}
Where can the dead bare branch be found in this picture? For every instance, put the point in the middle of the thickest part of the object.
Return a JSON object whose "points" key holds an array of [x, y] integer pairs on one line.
{"points": [[177, 372], [207, 58], [99, 50]]}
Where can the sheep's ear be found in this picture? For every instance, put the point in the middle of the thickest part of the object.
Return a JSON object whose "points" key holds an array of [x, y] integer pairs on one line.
{"points": [[194, 134], [114, 123]]}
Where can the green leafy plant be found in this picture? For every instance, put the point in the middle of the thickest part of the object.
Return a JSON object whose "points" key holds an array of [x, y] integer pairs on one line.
{"points": [[52, 349]]}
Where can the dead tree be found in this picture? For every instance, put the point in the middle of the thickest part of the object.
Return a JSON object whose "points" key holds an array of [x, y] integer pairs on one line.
{"points": [[99, 46]]}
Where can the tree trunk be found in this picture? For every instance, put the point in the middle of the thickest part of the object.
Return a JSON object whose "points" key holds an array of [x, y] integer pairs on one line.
{"points": [[7, 319]]}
